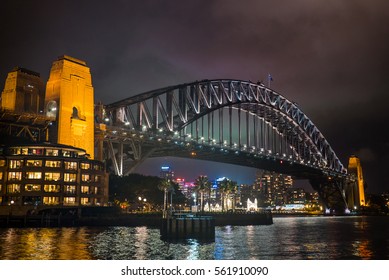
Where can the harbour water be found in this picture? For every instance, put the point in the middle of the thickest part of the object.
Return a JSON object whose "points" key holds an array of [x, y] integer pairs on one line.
{"points": [[288, 238]]}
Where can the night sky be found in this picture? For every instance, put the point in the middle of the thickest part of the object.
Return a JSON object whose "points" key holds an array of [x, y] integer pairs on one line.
{"points": [[331, 57]]}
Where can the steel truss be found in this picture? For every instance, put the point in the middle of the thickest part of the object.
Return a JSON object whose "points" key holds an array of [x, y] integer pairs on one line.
{"points": [[233, 115]]}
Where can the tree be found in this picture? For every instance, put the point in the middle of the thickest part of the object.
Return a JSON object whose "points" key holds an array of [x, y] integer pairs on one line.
{"points": [[166, 186], [202, 185], [226, 188]]}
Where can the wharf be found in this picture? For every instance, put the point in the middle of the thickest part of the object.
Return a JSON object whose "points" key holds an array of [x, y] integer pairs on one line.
{"points": [[126, 219]]}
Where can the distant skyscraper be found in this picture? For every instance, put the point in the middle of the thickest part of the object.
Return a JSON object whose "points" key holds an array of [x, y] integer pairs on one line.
{"points": [[167, 173], [273, 187]]}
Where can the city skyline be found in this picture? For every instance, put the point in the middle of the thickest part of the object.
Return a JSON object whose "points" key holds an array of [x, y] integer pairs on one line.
{"points": [[330, 58]]}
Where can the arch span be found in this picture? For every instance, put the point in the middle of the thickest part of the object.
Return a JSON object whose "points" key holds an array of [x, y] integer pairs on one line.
{"points": [[233, 115]]}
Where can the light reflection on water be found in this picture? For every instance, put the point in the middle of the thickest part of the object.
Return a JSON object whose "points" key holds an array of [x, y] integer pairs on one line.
{"points": [[288, 238]]}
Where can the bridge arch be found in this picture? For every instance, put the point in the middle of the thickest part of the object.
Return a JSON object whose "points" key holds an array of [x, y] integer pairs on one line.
{"points": [[232, 115]]}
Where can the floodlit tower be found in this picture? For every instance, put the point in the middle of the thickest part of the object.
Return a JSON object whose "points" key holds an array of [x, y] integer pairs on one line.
{"points": [[358, 192], [69, 98], [23, 92]]}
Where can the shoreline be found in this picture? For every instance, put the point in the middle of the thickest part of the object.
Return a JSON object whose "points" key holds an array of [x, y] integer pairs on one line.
{"points": [[134, 220]]}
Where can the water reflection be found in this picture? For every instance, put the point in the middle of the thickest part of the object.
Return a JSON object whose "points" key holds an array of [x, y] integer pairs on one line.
{"points": [[44, 244], [288, 238]]}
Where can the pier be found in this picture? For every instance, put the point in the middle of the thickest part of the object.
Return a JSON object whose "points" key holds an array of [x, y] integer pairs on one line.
{"points": [[186, 226]]}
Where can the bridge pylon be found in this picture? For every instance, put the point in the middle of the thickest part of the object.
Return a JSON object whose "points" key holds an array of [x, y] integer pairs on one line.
{"points": [[355, 190]]}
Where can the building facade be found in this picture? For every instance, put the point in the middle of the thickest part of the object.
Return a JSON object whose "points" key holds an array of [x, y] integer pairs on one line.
{"points": [[51, 175], [58, 170]]}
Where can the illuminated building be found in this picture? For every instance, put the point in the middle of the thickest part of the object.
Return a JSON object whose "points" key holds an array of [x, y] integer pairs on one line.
{"points": [[166, 173], [69, 98], [50, 174], [296, 196], [273, 187], [23, 92], [61, 172]]}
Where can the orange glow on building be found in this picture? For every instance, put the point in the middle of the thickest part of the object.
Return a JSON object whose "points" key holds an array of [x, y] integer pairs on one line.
{"points": [[354, 167], [69, 98]]}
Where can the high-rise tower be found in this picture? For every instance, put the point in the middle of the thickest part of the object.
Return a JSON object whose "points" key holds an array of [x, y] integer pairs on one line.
{"points": [[69, 98]]}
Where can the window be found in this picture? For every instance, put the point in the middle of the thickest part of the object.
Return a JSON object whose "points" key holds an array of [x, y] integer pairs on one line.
{"points": [[75, 113], [36, 151], [51, 152], [52, 188], [53, 163], [50, 200], [69, 177], [34, 175], [97, 167], [2, 162], [93, 190], [97, 178], [67, 153], [13, 163], [85, 178], [84, 189], [1, 176], [32, 188], [69, 200], [1, 188], [13, 188], [69, 189], [71, 165], [35, 163], [52, 176], [85, 165], [85, 200], [15, 176]]}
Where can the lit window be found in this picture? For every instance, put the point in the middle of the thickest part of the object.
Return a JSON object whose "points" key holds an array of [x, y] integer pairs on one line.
{"points": [[85, 178], [2, 162], [32, 188], [35, 163], [69, 177], [50, 200], [36, 151], [84, 189], [16, 176], [52, 176], [97, 167], [52, 188], [71, 165], [15, 163], [1, 175], [85, 165], [34, 175], [53, 163], [66, 153], [97, 178], [13, 188], [85, 200], [69, 189], [69, 200], [1, 188], [51, 152]]}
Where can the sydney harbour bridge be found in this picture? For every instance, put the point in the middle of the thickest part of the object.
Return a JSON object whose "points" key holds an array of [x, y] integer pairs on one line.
{"points": [[230, 121]]}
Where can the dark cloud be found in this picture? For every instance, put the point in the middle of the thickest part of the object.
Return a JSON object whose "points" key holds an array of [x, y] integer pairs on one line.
{"points": [[328, 56]]}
